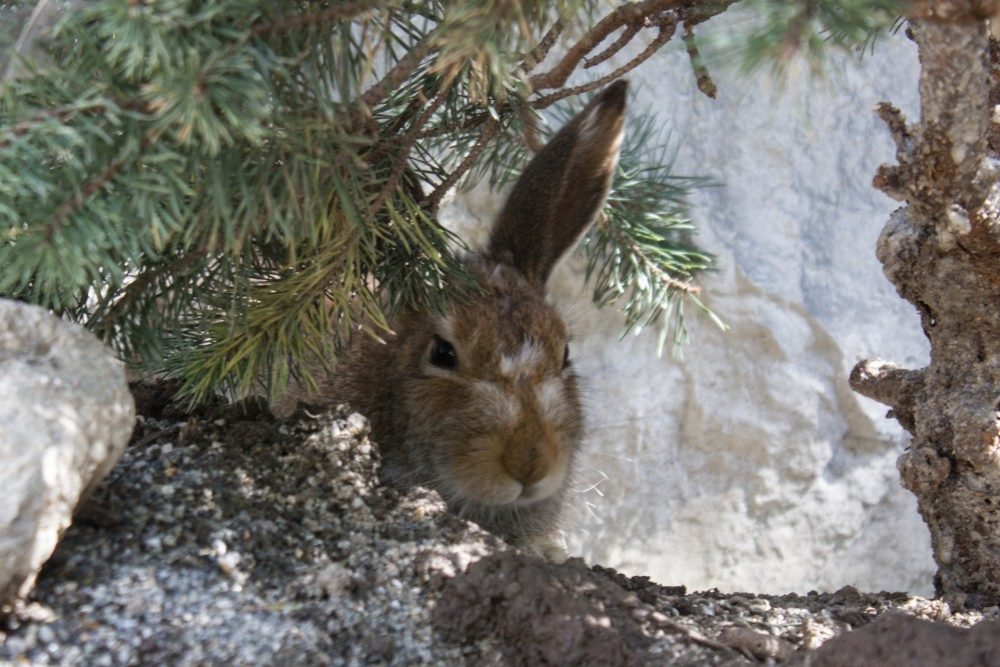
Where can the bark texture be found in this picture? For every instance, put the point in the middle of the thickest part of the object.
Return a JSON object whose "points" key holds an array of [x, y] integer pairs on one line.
{"points": [[942, 252]]}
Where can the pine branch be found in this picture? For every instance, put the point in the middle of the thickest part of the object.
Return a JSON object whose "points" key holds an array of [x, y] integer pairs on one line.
{"points": [[402, 159], [76, 203], [628, 14], [704, 79], [663, 36], [224, 188], [489, 130], [534, 57], [813, 27], [623, 240], [403, 69], [107, 319], [631, 30], [344, 11]]}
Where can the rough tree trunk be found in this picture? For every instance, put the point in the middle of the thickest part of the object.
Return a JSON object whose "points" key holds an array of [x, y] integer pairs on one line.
{"points": [[942, 252]]}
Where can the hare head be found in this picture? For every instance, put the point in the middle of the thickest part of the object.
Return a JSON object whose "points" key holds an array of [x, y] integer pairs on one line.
{"points": [[480, 402]]}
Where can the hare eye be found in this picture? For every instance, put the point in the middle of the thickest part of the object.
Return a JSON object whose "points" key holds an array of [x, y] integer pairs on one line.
{"points": [[566, 357], [443, 354]]}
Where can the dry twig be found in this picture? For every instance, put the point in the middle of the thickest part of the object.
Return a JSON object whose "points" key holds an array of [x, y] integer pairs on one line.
{"points": [[434, 198]]}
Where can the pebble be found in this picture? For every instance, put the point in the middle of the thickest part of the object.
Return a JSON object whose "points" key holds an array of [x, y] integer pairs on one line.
{"points": [[45, 634]]}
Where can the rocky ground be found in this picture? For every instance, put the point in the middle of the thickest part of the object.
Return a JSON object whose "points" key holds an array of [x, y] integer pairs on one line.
{"points": [[229, 537]]}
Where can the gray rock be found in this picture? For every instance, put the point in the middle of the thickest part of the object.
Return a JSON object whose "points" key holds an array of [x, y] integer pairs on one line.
{"points": [[65, 417], [751, 447]]}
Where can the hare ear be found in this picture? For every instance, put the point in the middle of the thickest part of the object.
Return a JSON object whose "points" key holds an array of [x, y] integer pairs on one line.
{"points": [[562, 189]]}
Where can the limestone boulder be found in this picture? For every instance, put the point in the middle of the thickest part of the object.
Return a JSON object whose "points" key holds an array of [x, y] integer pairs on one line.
{"points": [[65, 416], [747, 462]]}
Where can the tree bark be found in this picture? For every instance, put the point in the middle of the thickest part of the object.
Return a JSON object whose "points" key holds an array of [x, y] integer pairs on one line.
{"points": [[942, 252]]}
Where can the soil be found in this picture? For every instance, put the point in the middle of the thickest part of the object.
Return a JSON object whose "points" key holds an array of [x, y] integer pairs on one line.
{"points": [[226, 536]]}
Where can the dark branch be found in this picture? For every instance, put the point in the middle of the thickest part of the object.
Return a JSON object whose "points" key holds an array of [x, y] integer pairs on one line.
{"points": [[630, 31], [402, 159], [704, 79], [398, 74], [344, 11], [666, 32], [434, 198], [538, 54], [628, 14]]}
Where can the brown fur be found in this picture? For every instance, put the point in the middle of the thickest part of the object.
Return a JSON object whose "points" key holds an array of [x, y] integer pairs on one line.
{"points": [[497, 434]]}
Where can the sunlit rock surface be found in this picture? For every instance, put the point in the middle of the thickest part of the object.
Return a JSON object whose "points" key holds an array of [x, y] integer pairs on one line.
{"points": [[749, 464]]}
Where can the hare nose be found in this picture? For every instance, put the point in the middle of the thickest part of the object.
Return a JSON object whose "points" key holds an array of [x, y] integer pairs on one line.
{"points": [[527, 466], [529, 462]]}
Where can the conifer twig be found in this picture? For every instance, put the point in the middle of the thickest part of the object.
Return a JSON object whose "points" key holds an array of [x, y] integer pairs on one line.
{"points": [[631, 30], [64, 115], [703, 78], [626, 14], [402, 160], [664, 35], [541, 50], [626, 242], [398, 74], [485, 136], [344, 11], [89, 189], [134, 291]]}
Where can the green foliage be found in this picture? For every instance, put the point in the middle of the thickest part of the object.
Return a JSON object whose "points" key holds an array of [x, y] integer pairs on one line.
{"points": [[186, 182], [225, 188], [810, 27], [641, 254]]}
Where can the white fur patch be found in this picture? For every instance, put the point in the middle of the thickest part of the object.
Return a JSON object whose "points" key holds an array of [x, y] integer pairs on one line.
{"points": [[591, 129], [497, 277], [522, 363], [446, 329], [504, 408], [545, 487], [551, 399]]}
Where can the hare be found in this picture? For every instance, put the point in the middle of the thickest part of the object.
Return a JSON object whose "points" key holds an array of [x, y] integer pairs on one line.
{"points": [[480, 402]]}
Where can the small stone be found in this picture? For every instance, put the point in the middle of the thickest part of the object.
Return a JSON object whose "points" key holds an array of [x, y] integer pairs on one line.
{"points": [[704, 609], [758, 644], [45, 634], [597, 621], [229, 563], [659, 618]]}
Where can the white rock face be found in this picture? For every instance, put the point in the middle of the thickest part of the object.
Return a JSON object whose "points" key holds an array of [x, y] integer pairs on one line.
{"points": [[65, 417], [749, 464]]}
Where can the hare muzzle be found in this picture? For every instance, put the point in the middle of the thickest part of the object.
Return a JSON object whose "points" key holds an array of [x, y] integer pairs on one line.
{"points": [[501, 473]]}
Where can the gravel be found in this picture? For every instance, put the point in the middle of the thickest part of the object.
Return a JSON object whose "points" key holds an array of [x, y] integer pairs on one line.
{"points": [[228, 537]]}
